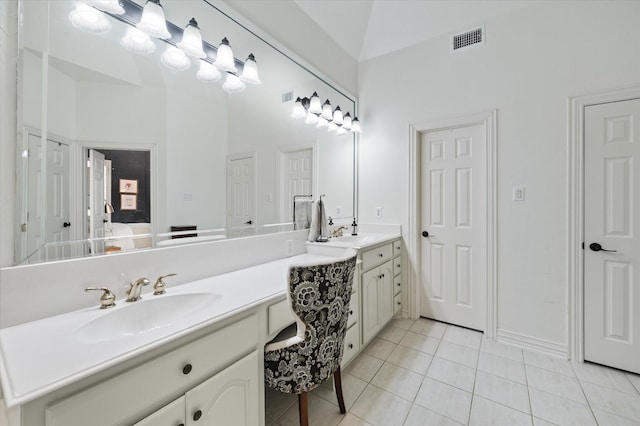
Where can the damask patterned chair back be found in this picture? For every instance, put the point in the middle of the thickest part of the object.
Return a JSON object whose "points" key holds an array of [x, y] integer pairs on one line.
{"points": [[319, 296]]}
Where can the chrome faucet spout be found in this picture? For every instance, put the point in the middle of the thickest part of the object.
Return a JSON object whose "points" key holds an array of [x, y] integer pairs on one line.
{"points": [[133, 294], [338, 232]]}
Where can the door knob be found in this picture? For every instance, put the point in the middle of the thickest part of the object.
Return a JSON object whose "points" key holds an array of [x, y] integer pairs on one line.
{"points": [[426, 234], [66, 224], [598, 247], [249, 222]]}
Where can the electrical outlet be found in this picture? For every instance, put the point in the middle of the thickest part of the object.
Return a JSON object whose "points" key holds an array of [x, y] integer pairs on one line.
{"points": [[378, 211], [338, 211]]}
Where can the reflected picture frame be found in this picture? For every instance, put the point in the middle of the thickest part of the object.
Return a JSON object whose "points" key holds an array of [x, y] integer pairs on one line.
{"points": [[128, 186], [128, 202]]}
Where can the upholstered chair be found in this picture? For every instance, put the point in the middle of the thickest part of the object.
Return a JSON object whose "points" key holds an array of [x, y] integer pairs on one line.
{"points": [[309, 352]]}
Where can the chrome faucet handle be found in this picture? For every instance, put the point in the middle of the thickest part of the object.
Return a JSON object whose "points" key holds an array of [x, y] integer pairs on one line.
{"points": [[107, 300], [160, 287], [133, 294]]}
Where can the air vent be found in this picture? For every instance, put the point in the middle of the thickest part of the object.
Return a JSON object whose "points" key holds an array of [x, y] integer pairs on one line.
{"points": [[287, 97], [468, 38]]}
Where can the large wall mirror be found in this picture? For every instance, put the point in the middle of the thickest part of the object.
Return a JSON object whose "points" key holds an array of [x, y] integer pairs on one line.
{"points": [[118, 152]]}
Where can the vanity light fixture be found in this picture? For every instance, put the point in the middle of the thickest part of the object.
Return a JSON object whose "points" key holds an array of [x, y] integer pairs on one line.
{"points": [[175, 59], [138, 42], [250, 71], [89, 19], [323, 116], [153, 21], [191, 43], [224, 58], [110, 6], [208, 73]]}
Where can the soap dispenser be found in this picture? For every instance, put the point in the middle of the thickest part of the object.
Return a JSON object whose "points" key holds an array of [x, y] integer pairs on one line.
{"points": [[354, 227]]}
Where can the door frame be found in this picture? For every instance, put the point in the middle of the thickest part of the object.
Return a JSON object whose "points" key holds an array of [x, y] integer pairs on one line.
{"points": [[575, 212], [489, 121]]}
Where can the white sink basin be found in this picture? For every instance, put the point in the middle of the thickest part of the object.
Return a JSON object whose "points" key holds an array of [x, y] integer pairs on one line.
{"points": [[354, 240], [140, 317]]}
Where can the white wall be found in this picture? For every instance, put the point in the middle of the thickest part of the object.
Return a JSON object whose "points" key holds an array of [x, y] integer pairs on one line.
{"points": [[533, 60]]}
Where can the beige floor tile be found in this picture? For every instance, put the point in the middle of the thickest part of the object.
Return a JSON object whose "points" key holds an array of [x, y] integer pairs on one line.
{"points": [[613, 401], [502, 367], [555, 383], [485, 412], [603, 376], [503, 391], [539, 422], [352, 387], [608, 419], [559, 410], [429, 328], [420, 342], [410, 359], [321, 413], [392, 334], [397, 380], [500, 349], [381, 408], [351, 420], [557, 365], [445, 400], [379, 348], [463, 337], [635, 380], [452, 373], [276, 403], [456, 353], [420, 416], [404, 323], [364, 367]]}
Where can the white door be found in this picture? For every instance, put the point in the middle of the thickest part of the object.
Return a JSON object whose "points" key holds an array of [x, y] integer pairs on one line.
{"points": [[96, 200], [453, 218], [241, 186], [296, 178], [35, 215], [612, 251]]}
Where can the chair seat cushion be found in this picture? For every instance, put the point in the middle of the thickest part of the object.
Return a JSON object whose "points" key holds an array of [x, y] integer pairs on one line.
{"points": [[285, 338]]}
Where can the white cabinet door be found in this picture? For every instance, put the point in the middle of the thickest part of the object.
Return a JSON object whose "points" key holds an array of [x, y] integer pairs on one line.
{"points": [[169, 415], [369, 307], [385, 304], [231, 397]]}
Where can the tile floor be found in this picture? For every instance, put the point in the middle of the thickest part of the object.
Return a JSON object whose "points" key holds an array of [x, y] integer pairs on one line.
{"points": [[424, 372]]}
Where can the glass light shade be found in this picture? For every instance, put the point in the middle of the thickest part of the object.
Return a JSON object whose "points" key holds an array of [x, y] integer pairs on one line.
{"points": [[311, 118], [333, 127], [233, 84], [175, 59], [191, 42], [250, 71], [87, 18], [224, 58], [341, 131], [337, 116], [138, 42], [110, 6], [208, 73], [346, 121], [355, 125], [327, 113], [152, 21], [314, 104], [298, 109], [322, 122]]}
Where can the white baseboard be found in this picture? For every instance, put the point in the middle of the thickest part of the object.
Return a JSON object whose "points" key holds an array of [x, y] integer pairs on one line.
{"points": [[533, 343]]}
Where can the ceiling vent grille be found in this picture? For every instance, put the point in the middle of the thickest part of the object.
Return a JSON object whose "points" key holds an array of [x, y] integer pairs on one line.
{"points": [[468, 38]]}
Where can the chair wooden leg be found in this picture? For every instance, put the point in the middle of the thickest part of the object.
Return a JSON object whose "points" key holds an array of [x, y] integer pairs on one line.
{"points": [[337, 380], [303, 409]]}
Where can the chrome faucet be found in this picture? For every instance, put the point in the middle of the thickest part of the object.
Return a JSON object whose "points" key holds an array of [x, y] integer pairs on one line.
{"points": [[160, 287], [133, 294], [338, 231]]}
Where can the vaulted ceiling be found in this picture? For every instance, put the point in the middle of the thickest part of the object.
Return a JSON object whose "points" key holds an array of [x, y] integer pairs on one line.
{"points": [[370, 28]]}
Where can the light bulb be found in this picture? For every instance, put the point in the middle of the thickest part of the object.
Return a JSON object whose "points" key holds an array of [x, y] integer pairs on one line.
{"points": [[138, 42], [314, 104], [224, 58], [233, 84], [87, 18], [298, 109], [110, 6], [153, 21], [355, 125], [346, 122], [191, 42], [250, 71], [208, 73], [327, 113], [175, 59], [337, 116]]}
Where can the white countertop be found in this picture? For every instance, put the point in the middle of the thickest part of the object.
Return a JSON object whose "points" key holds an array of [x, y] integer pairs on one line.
{"points": [[42, 356]]}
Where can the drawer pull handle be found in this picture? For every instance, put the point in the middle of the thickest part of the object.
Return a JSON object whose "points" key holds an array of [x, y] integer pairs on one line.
{"points": [[399, 284], [197, 415], [399, 303], [181, 424], [381, 255], [398, 265], [187, 369], [350, 345]]}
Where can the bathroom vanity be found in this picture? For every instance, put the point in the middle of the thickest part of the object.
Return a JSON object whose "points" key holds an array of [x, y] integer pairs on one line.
{"points": [[180, 358]]}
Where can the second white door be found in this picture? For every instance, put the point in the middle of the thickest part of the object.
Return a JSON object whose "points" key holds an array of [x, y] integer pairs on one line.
{"points": [[453, 218]]}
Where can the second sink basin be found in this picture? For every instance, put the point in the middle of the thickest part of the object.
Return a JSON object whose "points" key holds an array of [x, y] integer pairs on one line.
{"points": [[149, 314]]}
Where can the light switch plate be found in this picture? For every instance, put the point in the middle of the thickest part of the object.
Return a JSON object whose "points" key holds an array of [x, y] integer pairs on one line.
{"points": [[518, 193]]}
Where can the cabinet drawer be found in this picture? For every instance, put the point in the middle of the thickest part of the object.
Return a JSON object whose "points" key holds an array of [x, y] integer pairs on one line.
{"points": [[376, 256], [169, 415], [354, 311], [351, 345], [397, 303], [130, 396], [397, 248], [397, 265], [397, 284], [280, 316]]}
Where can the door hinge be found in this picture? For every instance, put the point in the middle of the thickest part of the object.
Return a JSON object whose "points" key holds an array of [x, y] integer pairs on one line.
{"points": [[583, 245]]}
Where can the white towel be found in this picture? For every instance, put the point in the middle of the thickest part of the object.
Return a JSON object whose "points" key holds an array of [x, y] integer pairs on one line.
{"points": [[318, 227], [302, 215]]}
